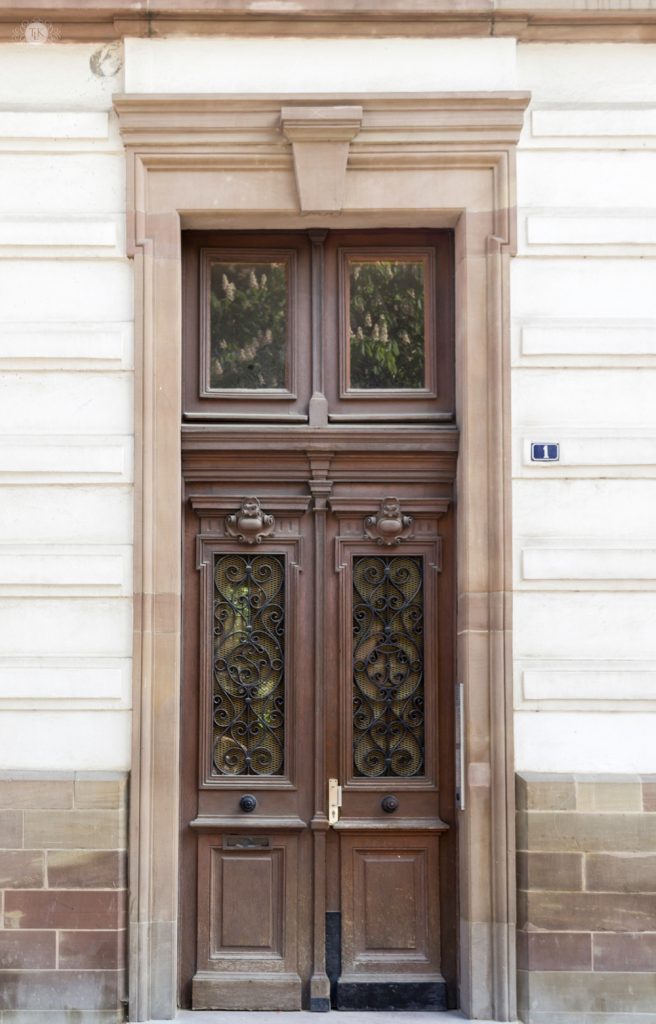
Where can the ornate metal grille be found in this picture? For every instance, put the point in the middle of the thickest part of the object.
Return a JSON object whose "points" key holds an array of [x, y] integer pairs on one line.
{"points": [[249, 663], [388, 666]]}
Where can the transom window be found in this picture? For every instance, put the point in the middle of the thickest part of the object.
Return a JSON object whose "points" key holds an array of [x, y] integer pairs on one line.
{"points": [[360, 320]]}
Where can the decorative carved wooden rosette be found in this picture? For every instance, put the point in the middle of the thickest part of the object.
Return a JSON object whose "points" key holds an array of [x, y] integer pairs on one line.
{"points": [[389, 526], [251, 523]]}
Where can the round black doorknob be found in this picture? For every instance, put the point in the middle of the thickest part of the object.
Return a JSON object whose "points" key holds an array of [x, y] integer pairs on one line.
{"points": [[389, 804], [248, 803]]}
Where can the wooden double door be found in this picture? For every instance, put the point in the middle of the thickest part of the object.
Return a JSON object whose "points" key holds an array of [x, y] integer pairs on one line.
{"points": [[318, 822]]}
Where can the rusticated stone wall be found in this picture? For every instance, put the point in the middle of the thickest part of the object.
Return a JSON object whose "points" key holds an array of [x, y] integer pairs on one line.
{"points": [[586, 871], [63, 897]]}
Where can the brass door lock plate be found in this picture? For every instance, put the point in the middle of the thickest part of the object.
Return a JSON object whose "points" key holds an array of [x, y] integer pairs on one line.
{"points": [[334, 801]]}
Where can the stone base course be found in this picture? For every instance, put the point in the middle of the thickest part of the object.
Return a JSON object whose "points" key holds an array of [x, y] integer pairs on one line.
{"points": [[586, 901], [63, 897]]}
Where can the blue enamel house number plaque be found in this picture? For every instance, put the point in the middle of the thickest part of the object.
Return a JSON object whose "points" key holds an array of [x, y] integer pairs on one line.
{"points": [[541, 452]]}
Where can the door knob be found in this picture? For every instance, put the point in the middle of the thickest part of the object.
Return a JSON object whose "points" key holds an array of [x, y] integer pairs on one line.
{"points": [[248, 803], [389, 804]]}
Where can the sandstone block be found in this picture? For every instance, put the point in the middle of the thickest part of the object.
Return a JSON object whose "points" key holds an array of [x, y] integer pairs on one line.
{"points": [[27, 950], [70, 830], [550, 871], [587, 911], [11, 830], [554, 951], [624, 952], [590, 992], [86, 869], [56, 990], [609, 796], [22, 869], [91, 950], [618, 872], [590, 832], [50, 794], [96, 792], [548, 791], [65, 908]]}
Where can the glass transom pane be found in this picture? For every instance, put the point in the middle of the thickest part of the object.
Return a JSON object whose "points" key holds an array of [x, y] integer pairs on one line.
{"points": [[249, 665], [387, 324], [249, 325], [388, 666]]}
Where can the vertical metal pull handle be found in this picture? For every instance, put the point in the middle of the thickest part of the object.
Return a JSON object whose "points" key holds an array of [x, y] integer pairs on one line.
{"points": [[334, 801]]}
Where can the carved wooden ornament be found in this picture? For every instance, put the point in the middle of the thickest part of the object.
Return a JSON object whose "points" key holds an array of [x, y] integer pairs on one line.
{"points": [[389, 526], [250, 524]]}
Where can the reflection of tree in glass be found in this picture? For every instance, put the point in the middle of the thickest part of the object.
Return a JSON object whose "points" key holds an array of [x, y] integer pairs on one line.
{"points": [[248, 325], [387, 324]]}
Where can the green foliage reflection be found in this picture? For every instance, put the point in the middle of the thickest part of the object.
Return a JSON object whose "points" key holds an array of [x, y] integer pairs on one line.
{"points": [[248, 325], [387, 324]]}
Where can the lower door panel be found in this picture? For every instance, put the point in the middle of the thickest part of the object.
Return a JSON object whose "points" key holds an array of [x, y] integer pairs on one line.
{"points": [[248, 928], [390, 949]]}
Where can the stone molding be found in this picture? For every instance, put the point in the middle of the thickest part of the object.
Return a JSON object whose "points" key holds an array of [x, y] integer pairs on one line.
{"points": [[435, 160], [389, 121], [396, 133], [543, 21]]}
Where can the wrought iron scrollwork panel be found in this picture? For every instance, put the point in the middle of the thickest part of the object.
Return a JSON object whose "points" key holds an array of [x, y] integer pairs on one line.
{"points": [[388, 666], [249, 665]]}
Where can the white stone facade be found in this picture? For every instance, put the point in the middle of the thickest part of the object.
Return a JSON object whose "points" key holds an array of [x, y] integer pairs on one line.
{"points": [[66, 359], [583, 354]]}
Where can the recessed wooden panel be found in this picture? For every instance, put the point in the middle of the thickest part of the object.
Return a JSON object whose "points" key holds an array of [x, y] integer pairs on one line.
{"points": [[249, 906], [390, 916], [392, 889], [246, 909], [389, 903]]}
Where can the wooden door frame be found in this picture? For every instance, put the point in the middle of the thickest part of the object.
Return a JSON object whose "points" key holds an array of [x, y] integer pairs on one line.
{"points": [[442, 160]]}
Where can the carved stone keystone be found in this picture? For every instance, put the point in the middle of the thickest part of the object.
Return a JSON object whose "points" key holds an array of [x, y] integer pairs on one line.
{"points": [[389, 525], [320, 138], [250, 524]]}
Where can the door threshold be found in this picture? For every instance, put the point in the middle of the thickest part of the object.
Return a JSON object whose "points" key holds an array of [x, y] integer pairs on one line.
{"points": [[338, 1017]]}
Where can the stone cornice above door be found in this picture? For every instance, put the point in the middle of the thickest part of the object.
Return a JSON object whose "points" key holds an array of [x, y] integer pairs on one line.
{"points": [[204, 122], [200, 134]]}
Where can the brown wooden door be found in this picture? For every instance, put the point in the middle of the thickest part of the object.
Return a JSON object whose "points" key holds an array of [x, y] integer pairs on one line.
{"points": [[319, 646], [317, 817]]}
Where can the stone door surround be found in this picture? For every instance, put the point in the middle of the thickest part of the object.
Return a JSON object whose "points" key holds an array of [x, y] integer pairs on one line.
{"points": [[443, 160]]}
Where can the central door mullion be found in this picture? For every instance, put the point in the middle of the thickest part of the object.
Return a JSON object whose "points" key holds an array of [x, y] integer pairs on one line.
{"points": [[320, 488], [318, 408]]}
